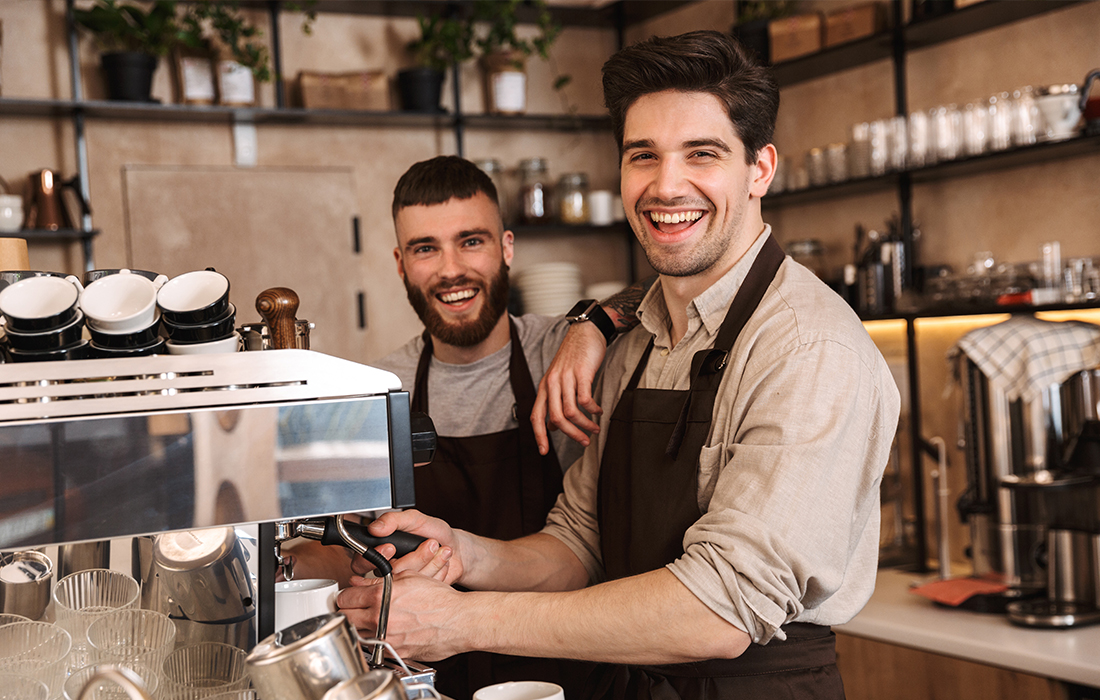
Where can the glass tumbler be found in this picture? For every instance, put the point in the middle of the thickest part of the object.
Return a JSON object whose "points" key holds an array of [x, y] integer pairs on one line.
{"points": [[107, 689], [19, 687], [974, 120], [202, 670], [131, 635], [39, 650], [1000, 122], [83, 597]]}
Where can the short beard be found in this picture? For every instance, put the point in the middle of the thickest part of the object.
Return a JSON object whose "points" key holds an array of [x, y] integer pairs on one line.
{"points": [[469, 334]]}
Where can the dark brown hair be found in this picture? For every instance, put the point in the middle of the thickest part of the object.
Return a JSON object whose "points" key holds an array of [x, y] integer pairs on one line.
{"points": [[703, 61], [440, 179]]}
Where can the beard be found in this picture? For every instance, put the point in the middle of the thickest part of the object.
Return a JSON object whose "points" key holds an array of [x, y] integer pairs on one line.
{"points": [[463, 334], [709, 249]]}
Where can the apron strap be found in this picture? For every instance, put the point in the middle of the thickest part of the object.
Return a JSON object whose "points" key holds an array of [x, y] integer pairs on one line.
{"points": [[710, 363]]}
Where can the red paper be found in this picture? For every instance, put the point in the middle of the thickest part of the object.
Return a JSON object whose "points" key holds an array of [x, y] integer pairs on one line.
{"points": [[956, 591]]}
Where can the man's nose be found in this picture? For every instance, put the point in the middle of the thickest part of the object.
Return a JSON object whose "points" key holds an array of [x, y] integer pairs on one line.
{"points": [[451, 264], [669, 180]]}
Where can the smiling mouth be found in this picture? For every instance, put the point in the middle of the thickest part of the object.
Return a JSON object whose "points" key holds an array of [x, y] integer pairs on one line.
{"points": [[674, 222], [457, 296]]}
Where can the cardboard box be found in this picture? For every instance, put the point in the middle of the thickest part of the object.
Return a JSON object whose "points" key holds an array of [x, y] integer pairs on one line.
{"points": [[796, 36], [853, 23], [364, 90]]}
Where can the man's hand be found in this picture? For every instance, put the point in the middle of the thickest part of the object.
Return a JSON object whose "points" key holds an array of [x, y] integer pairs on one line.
{"points": [[432, 557], [566, 388]]}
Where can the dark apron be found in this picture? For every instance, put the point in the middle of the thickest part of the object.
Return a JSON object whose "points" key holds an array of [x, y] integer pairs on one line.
{"points": [[647, 499], [495, 485]]}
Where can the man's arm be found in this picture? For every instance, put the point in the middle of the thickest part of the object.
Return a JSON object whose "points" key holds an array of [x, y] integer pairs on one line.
{"points": [[651, 618], [566, 388]]}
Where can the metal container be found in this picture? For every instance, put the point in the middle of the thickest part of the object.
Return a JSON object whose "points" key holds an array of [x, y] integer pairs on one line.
{"points": [[1080, 395], [305, 660], [372, 685], [25, 579], [200, 579]]}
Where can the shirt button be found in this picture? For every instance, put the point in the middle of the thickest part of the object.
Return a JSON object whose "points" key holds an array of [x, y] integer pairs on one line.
{"points": [[664, 352]]}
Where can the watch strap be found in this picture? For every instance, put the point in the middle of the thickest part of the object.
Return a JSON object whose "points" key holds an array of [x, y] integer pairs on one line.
{"points": [[590, 310]]}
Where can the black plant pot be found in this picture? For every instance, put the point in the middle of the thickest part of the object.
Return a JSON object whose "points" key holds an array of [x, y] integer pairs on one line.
{"points": [[129, 75], [754, 37], [420, 89]]}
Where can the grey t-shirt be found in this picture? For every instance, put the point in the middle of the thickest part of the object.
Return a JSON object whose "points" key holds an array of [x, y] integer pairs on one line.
{"points": [[476, 398]]}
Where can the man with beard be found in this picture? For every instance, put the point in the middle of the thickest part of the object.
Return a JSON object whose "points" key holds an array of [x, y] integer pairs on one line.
{"points": [[473, 370], [727, 512]]}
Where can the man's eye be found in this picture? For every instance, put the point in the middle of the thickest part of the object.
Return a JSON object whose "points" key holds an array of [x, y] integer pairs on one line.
{"points": [[420, 249], [641, 156], [471, 242], [702, 154]]}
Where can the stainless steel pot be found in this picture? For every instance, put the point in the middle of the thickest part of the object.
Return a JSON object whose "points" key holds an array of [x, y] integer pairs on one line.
{"points": [[305, 660], [378, 685]]}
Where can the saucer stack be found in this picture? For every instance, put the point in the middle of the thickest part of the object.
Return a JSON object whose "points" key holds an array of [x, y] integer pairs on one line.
{"points": [[196, 314], [550, 289], [42, 318]]}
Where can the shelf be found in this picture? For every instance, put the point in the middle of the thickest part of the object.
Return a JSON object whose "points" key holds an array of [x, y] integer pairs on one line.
{"points": [[616, 228], [922, 34], [999, 160], [955, 311], [64, 234], [554, 122]]}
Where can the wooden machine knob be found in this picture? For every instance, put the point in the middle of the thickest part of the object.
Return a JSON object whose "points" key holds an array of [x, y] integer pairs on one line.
{"points": [[278, 307]]}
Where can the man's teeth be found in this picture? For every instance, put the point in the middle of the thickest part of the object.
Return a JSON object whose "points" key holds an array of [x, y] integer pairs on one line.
{"points": [[452, 297], [675, 218]]}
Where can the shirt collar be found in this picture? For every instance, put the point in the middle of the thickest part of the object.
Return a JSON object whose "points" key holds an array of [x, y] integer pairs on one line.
{"points": [[710, 307]]}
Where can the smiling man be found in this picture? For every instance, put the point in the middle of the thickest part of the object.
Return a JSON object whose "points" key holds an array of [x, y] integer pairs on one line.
{"points": [[726, 514]]}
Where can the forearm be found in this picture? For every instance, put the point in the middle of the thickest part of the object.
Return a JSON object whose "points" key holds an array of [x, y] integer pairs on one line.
{"points": [[646, 619], [534, 563]]}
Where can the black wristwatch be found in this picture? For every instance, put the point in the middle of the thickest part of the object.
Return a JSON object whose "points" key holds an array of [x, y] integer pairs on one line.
{"points": [[590, 310]]}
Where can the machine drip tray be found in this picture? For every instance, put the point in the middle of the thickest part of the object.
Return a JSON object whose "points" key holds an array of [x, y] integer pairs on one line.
{"points": [[1052, 614]]}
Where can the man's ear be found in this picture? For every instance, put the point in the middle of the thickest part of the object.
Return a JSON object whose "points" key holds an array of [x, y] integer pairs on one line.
{"points": [[508, 247], [764, 170], [400, 265]]}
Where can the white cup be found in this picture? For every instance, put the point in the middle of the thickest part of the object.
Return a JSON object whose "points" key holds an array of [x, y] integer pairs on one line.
{"points": [[11, 213], [230, 344], [1061, 113], [36, 300], [122, 303], [300, 600], [521, 690], [600, 212]]}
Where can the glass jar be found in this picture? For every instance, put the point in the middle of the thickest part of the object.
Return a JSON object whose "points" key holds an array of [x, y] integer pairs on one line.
{"points": [[535, 192], [492, 168], [809, 252], [573, 198]]}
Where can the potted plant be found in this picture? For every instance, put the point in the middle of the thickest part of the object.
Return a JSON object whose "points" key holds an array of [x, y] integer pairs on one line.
{"points": [[753, 17], [132, 40], [444, 41], [504, 53], [217, 29]]}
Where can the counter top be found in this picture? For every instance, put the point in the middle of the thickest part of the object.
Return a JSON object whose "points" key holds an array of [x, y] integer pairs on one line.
{"points": [[896, 616]]}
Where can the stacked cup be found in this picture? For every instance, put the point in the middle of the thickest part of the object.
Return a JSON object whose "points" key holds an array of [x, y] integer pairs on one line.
{"points": [[42, 317], [196, 314], [121, 311]]}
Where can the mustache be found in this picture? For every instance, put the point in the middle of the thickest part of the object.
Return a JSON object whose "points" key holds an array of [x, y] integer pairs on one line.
{"points": [[456, 283]]}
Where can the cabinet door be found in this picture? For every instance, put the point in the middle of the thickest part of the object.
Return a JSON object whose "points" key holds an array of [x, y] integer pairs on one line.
{"points": [[874, 670], [263, 227]]}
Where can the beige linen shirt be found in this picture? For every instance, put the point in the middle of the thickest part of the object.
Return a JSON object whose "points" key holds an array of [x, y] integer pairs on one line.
{"points": [[788, 481]]}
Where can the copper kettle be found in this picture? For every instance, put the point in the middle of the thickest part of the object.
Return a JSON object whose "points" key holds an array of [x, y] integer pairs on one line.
{"points": [[43, 201]]}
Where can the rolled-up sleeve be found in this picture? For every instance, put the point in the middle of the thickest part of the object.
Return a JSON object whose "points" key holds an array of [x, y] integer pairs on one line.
{"points": [[790, 482]]}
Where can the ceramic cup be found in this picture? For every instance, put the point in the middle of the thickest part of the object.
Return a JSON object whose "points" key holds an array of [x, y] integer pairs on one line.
{"points": [[521, 690], [194, 297], [1061, 113], [122, 303], [302, 599], [41, 303], [54, 339], [230, 344], [215, 329], [93, 275]]}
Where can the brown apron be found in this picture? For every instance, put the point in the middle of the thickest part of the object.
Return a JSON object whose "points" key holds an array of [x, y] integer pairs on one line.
{"points": [[495, 485], [647, 499]]}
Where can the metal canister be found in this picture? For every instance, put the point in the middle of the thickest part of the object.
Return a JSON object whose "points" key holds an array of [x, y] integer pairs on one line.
{"points": [[305, 660], [373, 685]]}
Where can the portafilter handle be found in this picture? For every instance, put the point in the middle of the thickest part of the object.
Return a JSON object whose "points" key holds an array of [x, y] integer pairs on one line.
{"points": [[278, 307], [377, 660]]}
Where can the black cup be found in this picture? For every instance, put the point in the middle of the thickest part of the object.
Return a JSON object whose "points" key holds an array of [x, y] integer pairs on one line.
{"points": [[157, 347], [210, 311], [55, 339], [81, 350], [126, 341], [93, 275], [217, 329], [8, 277]]}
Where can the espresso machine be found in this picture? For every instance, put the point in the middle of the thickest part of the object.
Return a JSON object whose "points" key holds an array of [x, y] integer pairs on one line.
{"points": [[1033, 474], [206, 463]]}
